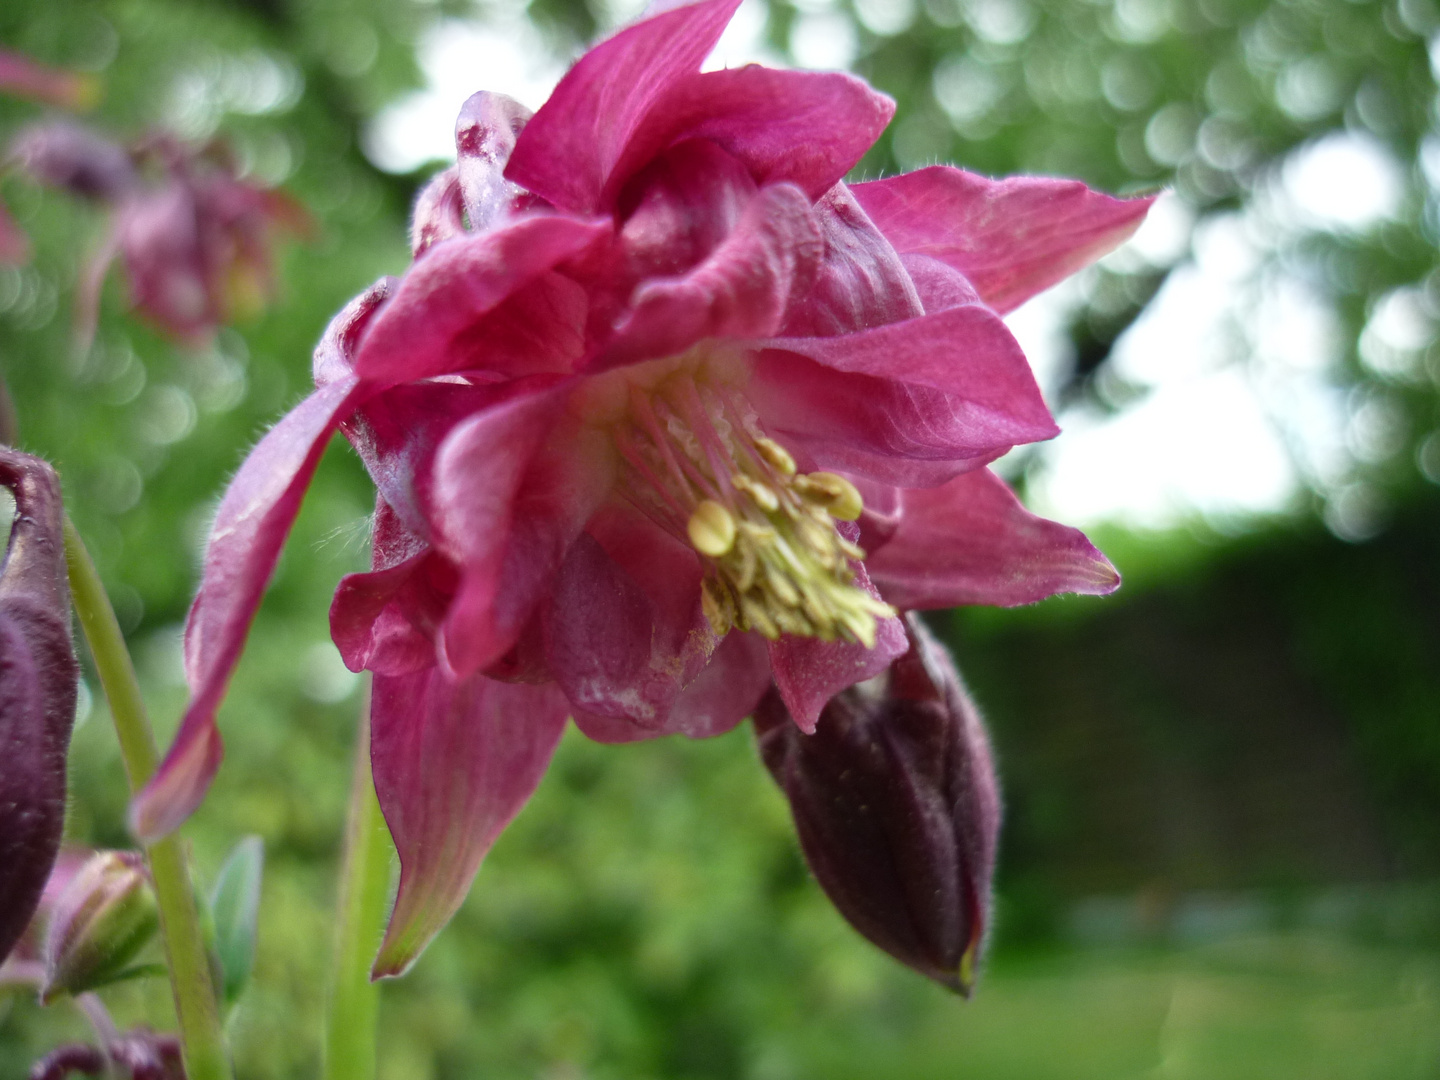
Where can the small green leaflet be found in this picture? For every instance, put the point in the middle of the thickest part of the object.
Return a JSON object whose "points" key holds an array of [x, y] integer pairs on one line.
{"points": [[235, 909]]}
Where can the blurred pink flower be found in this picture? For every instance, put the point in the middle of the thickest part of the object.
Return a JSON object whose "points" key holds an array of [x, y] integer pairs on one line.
{"points": [[655, 383], [194, 238], [22, 77]]}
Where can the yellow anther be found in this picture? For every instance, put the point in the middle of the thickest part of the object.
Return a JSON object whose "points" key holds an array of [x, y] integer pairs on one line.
{"points": [[757, 619], [762, 496], [711, 529], [776, 456], [780, 585], [719, 609], [840, 496], [861, 626]]}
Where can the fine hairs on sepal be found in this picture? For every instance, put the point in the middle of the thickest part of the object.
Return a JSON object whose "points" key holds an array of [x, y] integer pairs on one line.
{"points": [[897, 808], [38, 687]]}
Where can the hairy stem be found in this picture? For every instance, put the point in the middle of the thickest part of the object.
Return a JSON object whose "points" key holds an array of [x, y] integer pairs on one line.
{"points": [[195, 1002], [364, 884]]}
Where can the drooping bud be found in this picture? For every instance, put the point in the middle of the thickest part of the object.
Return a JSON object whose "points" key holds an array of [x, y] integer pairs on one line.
{"points": [[102, 920], [896, 805], [38, 678]]}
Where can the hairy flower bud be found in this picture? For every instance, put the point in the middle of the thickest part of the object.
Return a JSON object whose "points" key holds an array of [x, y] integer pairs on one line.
{"points": [[897, 809], [37, 690], [105, 916]]}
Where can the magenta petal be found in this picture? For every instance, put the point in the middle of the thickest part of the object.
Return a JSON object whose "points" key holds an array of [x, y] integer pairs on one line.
{"points": [[971, 542], [725, 692], [453, 764], [617, 648], [567, 152], [741, 291], [386, 620], [446, 293], [808, 672], [861, 281], [439, 212], [1012, 238], [966, 352], [250, 527], [485, 134], [511, 490], [336, 350], [397, 432], [805, 127], [912, 403]]}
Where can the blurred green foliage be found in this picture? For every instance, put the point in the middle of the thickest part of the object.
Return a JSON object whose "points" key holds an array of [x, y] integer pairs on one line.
{"points": [[1223, 756]]}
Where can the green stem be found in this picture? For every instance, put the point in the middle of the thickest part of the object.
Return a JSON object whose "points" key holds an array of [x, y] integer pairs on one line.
{"points": [[195, 1001], [350, 1025]]}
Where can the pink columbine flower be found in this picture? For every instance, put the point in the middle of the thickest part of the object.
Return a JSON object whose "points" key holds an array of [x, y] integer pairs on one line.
{"points": [[24, 78], [662, 413], [193, 236]]}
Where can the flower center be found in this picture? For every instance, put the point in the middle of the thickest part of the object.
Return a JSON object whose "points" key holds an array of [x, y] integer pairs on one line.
{"points": [[698, 465]]}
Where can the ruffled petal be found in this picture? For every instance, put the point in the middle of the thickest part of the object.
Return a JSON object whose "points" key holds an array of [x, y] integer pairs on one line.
{"points": [[741, 291], [687, 201], [808, 672], [386, 620], [725, 692], [1012, 238], [397, 432], [336, 351], [422, 331], [453, 764], [807, 128], [250, 527], [971, 542], [624, 632], [485, 134], [512, 488], [861, 281], [439, 212], [966, 352], [727, 689], [569, 149], [912, 403], [939, 285]]}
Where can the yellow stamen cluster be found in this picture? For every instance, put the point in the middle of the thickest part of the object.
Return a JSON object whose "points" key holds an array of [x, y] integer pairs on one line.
{"points": [[776, 563]]}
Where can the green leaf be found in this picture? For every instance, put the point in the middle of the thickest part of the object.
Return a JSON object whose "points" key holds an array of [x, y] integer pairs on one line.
{"points": [[235, 909]]}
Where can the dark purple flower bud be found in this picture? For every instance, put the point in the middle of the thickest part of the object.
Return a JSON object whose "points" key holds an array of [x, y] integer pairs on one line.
{"points": [[37, 690], [139, 1054], [897, 808], [65, 155], [61, 1062]]}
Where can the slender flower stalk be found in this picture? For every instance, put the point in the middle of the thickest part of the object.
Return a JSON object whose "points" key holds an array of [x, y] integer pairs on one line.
{"points": [[195, 1003], [354, 1001]]}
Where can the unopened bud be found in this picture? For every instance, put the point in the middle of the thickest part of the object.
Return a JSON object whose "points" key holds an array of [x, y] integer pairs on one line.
{"points": [[138, 1054], [895, 802], [37, 690], [102, 920]]}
